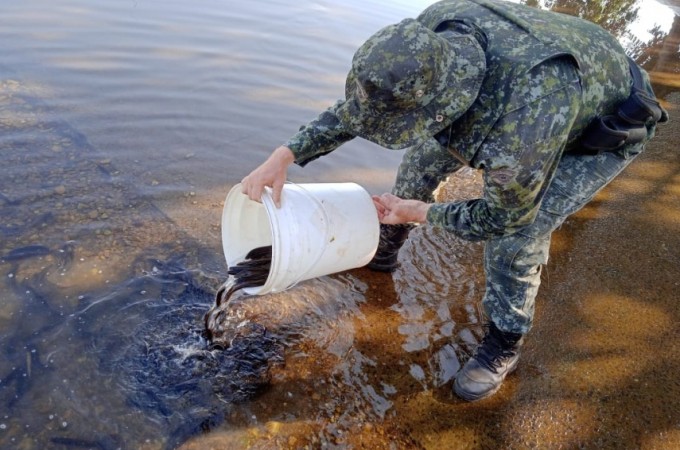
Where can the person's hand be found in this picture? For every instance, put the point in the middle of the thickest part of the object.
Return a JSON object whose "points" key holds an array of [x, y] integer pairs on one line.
{"points": [[271, 173], [393, 210]]}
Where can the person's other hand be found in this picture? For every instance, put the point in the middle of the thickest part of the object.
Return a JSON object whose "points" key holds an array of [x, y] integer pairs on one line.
{"points": [[393, 210], [271, 173]]}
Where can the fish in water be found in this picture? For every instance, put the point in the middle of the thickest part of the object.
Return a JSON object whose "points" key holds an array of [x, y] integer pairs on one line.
{"points": [[29, 251], [153, 344], [251, 272], [318, 310], [105, 443]]}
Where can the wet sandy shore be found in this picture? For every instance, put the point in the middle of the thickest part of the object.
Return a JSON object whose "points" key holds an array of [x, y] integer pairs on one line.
{"points": [[600, 367]]}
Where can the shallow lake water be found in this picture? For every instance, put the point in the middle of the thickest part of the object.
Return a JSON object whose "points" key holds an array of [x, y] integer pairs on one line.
{"points": [[124, 124]]}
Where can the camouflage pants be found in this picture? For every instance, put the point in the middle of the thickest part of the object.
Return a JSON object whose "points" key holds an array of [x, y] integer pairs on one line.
{"points": [[513, 263]]}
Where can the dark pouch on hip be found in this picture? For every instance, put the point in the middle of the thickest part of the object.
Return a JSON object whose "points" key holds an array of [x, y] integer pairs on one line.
{"points": [[629, 124]]}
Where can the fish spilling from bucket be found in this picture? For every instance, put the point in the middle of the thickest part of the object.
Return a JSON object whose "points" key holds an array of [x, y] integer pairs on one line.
{"points": [[251, 272]]}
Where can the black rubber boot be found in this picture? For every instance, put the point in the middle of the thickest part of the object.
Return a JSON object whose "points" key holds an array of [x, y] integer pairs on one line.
{"points": [[495, 358], [392, 237]]}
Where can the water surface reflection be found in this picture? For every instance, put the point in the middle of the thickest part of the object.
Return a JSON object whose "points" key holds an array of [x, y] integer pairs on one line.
{"points": [[122, 126]]}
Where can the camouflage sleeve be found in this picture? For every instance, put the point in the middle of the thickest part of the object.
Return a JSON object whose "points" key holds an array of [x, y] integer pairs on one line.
{"points": [[319, 137], [519, 157]]}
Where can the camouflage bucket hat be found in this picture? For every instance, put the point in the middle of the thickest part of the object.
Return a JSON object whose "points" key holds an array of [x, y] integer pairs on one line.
{"points": [[407, 83]]}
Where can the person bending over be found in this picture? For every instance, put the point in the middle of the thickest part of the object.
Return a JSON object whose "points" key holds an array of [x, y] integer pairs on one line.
{"points": [[547, 106]]}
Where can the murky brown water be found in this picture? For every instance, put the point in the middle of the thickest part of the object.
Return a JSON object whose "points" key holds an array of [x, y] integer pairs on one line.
{"points": [[122, 127]]}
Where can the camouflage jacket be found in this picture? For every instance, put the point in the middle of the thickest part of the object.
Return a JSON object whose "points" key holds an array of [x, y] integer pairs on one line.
{"points": [[518, 38], [517, 99]]}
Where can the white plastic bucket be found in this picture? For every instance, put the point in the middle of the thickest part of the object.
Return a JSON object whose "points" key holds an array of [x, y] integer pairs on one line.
{"points": [[320, 229]]}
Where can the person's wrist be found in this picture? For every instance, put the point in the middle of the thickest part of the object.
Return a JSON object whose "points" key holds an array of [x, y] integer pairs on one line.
{"points": [[422, 212], [285, 155], [417, 211]]}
